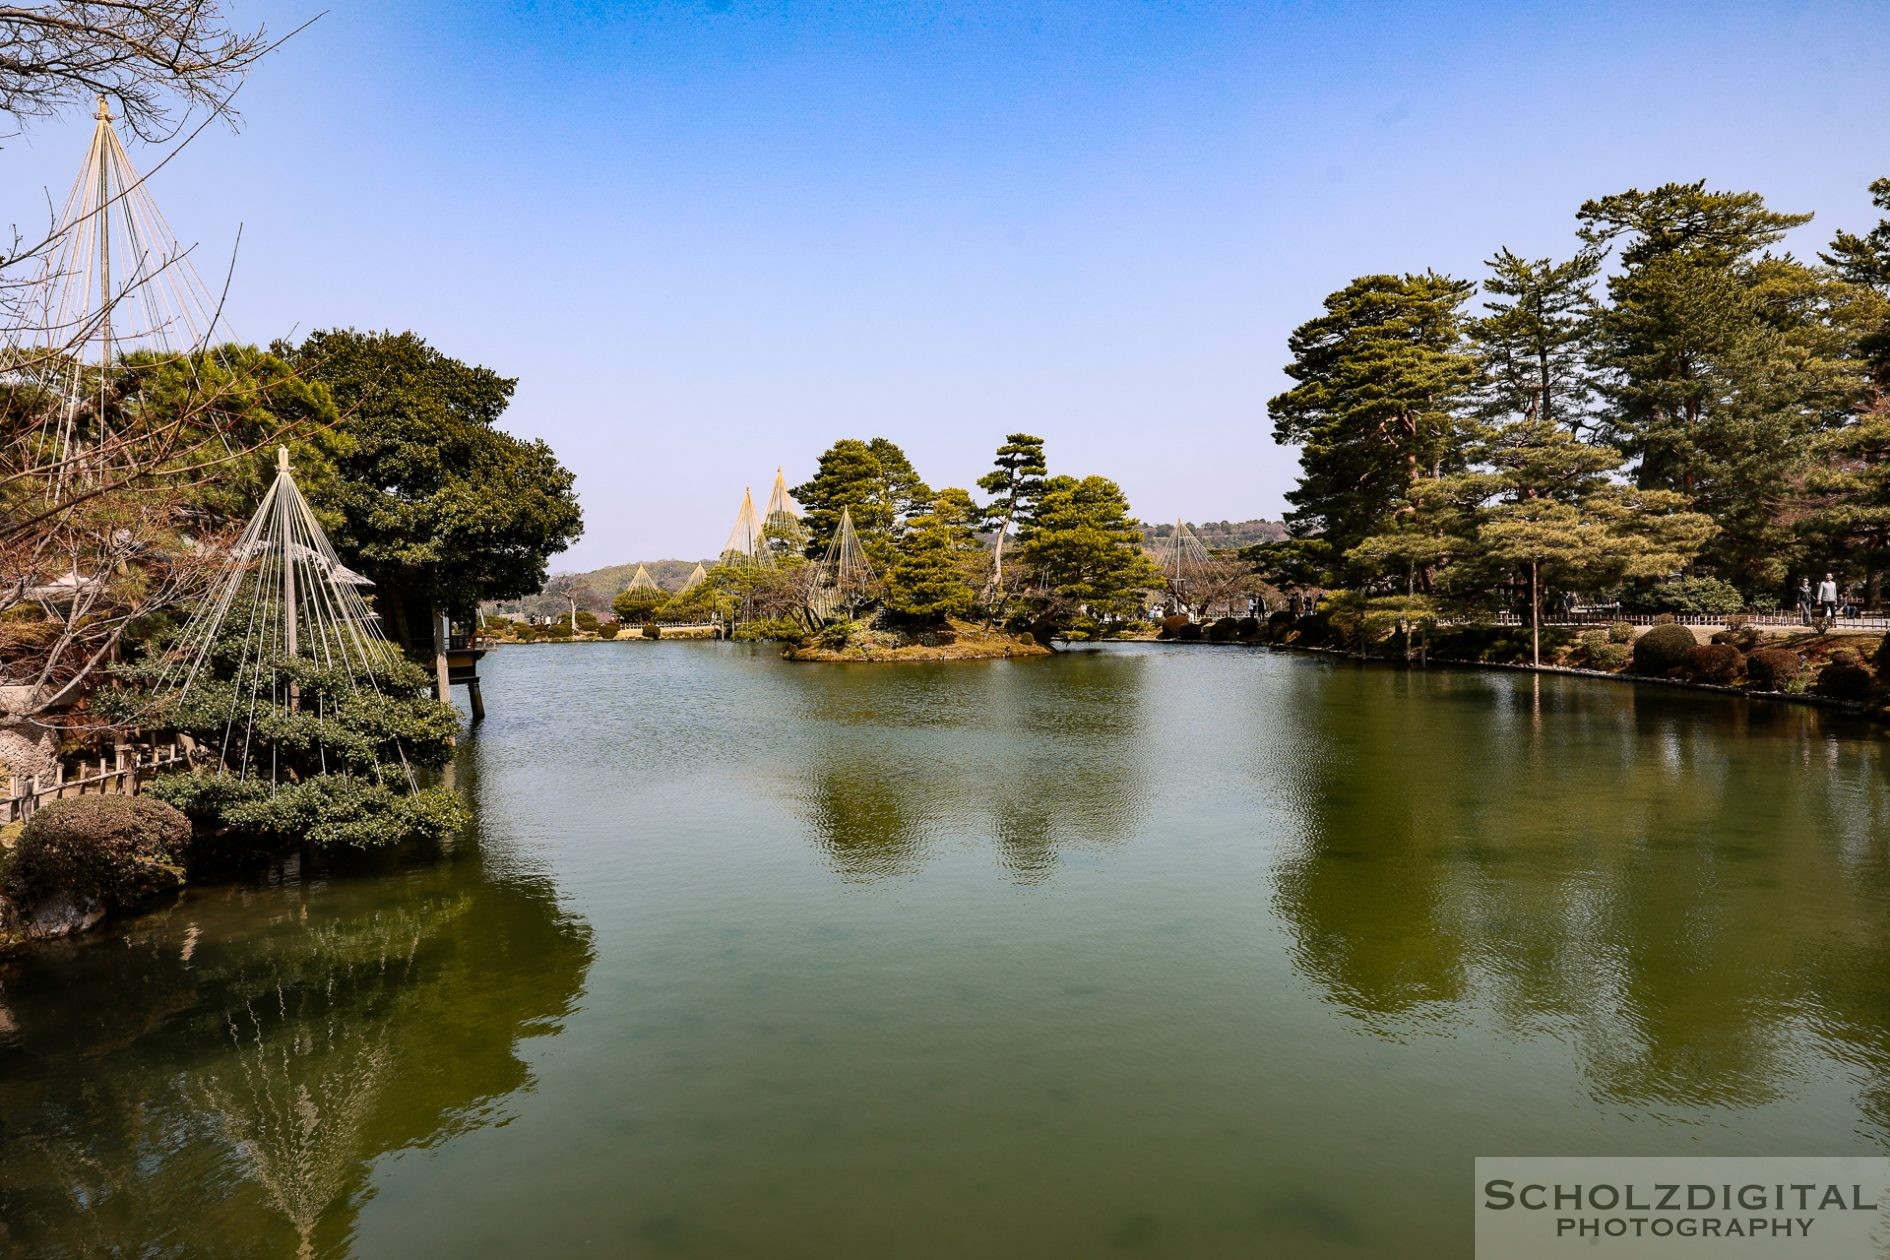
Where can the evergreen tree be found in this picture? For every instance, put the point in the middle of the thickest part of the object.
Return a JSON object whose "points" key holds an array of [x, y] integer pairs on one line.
{"points": [[1536, 342], [441, 507], [1847, 506], [1723, 360], [1014, 485], [1865, 261], [1381, 376], [939, 560], [876, 481], [1084, 549]]}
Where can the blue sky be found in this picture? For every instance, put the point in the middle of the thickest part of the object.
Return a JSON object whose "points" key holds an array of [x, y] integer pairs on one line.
{"points": [[710, 236]]}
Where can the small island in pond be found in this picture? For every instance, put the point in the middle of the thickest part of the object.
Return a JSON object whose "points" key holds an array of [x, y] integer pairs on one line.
{"points": [[955, 640]]}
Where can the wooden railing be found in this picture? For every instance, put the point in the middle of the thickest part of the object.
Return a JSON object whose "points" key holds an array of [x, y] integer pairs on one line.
{"points": [[1874, 622], [121, 776]]}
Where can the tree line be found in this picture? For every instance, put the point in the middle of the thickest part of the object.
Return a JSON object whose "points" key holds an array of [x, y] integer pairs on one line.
{"points": [[1679, 416], [1047, 552]]}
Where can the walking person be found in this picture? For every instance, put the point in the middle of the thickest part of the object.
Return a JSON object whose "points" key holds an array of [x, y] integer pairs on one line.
{"points": [[1805, 598], [1827, 600]]}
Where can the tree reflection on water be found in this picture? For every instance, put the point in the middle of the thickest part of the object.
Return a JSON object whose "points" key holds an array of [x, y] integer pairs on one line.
{"points": [[1694, 893], [884, 771], [255, 1065]]}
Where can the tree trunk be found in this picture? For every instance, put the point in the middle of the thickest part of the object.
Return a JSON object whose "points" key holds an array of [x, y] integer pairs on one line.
{"points": [[1535, 615]]}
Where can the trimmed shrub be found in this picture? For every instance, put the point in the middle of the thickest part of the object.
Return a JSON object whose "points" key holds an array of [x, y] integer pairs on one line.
{"points": [[558, 630], [1717, 663], [1189, 633], [652, 631], [1315, 629], [1846, 677], [607, 630], [1171, 626], [1223, 630], [113, 851], [1279, 624], [1621, 632], [1662, 649], [1247, 627], [1594, 649], [1882, 658], [1742, 636], [1770, 669]]}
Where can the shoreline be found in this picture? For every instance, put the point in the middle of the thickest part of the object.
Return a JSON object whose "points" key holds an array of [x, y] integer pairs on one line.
{"points": [[1851, 708]]}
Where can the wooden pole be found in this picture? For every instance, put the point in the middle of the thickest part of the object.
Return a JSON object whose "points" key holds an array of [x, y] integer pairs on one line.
{"points": [[440, 630]]}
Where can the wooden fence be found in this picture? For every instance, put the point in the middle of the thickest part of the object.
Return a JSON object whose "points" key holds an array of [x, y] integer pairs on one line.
{"points": [[121, 776], [1864, 623]]}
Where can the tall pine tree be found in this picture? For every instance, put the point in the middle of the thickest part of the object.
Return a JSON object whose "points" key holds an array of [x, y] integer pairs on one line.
{"points": [[1382, 379]]}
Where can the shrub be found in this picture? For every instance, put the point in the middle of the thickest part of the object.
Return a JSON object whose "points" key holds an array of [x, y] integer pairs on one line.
{"points": [[1621, 632], [1223, 630], [236, 817], [1171, 626], [1665, 619], [1686, 595], [607, 630], [1189, 633], [1315, 629], [1278, 624], [1081, 629], [1742, 636], [638, 605], [777, 630], [113, 851], [1660, 651], [1717, 663], [558, 630], [1846, 677], [839, 634], [1770, 669], [652, 631], [1247, 627], [1882, 658], [1595, 649]]}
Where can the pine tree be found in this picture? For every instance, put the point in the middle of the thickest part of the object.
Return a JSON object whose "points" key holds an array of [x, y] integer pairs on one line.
{"points": [[939, 560], [1083, 548], [1014, 485], [1724, 361], [876, 482], [1848, 489], [1536, 343], [1381, 378]]}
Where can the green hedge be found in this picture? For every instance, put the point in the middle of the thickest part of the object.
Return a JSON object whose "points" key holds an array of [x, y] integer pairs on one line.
{"points": [[1662, 650], [113, 851]]}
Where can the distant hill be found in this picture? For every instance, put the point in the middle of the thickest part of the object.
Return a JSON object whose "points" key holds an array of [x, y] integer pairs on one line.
{"points": [[1219, 535], [612, 578]]}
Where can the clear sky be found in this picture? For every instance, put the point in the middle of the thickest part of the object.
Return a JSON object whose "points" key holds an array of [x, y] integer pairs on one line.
{"points": [[710, 236]]}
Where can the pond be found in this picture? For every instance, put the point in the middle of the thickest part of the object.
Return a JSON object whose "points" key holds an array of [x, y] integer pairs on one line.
{"points": [[1172, 951]]}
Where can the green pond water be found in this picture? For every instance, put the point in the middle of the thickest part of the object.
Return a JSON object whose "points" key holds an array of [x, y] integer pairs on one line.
{"points": [[1140, 950]]}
